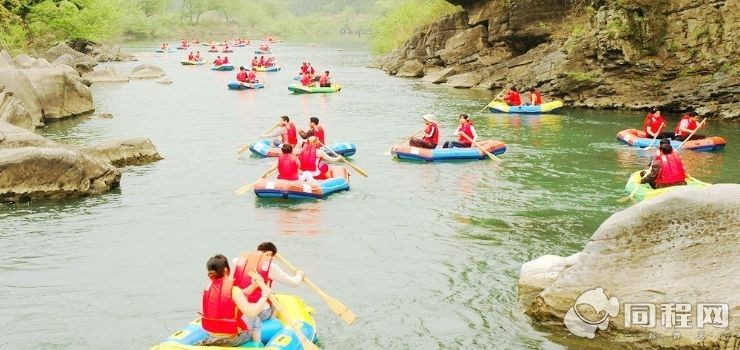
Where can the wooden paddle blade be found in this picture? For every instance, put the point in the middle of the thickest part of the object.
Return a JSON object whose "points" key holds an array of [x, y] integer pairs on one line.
{"points": [[242, 149], [244, 189], [340, 310]]}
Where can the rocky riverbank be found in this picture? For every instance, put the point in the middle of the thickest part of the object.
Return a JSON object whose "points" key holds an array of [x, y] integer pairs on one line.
{"points": [[35, 91], [674, 256], [630, 54]]}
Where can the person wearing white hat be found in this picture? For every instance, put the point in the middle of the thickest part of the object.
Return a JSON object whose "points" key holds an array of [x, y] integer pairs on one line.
{"points": [[431, 134]]}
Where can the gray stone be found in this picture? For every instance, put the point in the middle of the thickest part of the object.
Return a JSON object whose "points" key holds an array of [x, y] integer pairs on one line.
{"points": [[13, 112], [411, 69], [440, 76], [465, 80], [540, 273], [125, 152], [18, 83], [105, 74], [61, 91], [146, 71]]}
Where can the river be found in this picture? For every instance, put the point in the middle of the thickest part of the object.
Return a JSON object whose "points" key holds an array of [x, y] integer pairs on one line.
{"points": [[427, 255]]}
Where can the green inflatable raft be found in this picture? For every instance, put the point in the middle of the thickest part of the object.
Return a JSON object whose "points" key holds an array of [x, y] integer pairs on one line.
{"points": [[644, 191], [300, 89]]}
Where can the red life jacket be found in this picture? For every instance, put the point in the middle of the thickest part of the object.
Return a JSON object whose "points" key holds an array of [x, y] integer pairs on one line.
{"points": [[255, 261], [218, 62], [309, 161], [287, 167], [671, 170], [318, 131], [434, 129], [691, 125], [255, 63], [310, 70], [262, 62], [323, 79], [220, 314], [252, 76], [465, 129], [304, 69], [537, 98], [190, 57], [513, 99], [305, 80], [226, 60], [241, 76], [290, 137]]}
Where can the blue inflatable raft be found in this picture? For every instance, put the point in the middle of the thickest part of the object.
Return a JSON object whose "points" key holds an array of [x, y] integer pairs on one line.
{"points": [[407, 152], [296, 189], [264, 148], [502, 107], [237, 85], [260, 52], [223, 67]]}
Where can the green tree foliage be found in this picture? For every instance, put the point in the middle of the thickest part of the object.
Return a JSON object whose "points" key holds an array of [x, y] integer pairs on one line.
{"points": [[397, 20]]}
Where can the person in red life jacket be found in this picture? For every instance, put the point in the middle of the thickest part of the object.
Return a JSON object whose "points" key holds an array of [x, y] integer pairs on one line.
{"points": [[226, 47], [197, 56], [226, 60], [654, 124], [261, 62], [311, 164], [255, 62], [513, 98], [288, 165], [535, 98], [262, 263], [311, 71], [324, 80], [314, 130], [431, 134], [286, 133], [667, 169], [218, 61], [270, 62], [252, 76], [223, 305], [242, 75], [466, 127], [306, 80], [191, 57], [304, 68], [213, 47], [686, 126]]}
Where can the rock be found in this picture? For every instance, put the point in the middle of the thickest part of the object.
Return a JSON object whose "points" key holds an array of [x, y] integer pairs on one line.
{"points": [[538, 274], [79, 61], [462, 45], [105, 74], [680, 247], [411, 69], [18, 83], [6, 61], [13, 112], [81, 66], [440, 76], [165, 81], [61, 91], [103, 116], [101, 52], [14, 137], [125, 152], [465, 80], [146, 71]]}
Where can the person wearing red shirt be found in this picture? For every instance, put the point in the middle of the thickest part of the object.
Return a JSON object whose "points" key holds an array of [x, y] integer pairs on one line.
{"points": [[255, 62], [191, 57], [466, 127], [261, 62], [226, 60], [288, 165], [306, 80], [513, 98], [667, 169], [242, 75], [431, 134], [252, 75], [217, 62], [686, 126], [324, 79], [535, 98], [655, 124], [314, 130]]}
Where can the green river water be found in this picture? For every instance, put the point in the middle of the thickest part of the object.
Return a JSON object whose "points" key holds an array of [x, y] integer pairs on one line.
{"points": [[427, 255]]}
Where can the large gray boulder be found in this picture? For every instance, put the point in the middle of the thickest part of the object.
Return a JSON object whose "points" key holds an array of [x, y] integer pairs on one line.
{"points": [[105, 75], [19, 84], [540, 273], [146, 71], [12, 136], [77, 60], [411, 69], [61, 91], [6, 61], [12, 110], [125, 152], [682, 248], [439, 76]]}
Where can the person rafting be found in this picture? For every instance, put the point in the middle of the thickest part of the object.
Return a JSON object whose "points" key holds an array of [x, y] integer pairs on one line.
{"points": [[213, 47], [242, 75], [687, 125], [311, 71], [226, 60], [304, 68], [306, 79], [255, 62], [288, 165], [314, 130], [310, 159], [466, 127], [262, 262], [224, 303], [269, 62], [285, 134], [226, 47], [252, 75], [513, 98], [431, 134], [324, 79], [191, 57], [667, 169], [218, 61], [535, 97], [654, 123], [261, 62]]}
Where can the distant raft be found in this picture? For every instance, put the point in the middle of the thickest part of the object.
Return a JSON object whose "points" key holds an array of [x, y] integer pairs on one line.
{"points": [[338, 181], [647, 192], [406, 152], [502, 107], [264, 148], [300, 89], [170, 50], [227, 51], [182, 47], [275, 331], [191, 63], [260, 52], [223, 67], [274, 68], [238, 85], [212, 50], [639, 138]]}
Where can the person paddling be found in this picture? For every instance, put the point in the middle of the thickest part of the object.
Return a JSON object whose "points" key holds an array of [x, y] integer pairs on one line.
{"points": [[687, 125], [285, 134], [306, 79], [262, 262], [252, 75], [191, 57], [324, 79], [466, 127], [310, 158], [226, 60], [223, 304], [535, 97], [654, 123], [261, 62], [218, 61], [513, 98], [667, 169], [242, 75], [269, 62], [255, 62], [431, 134], [197, 56], [314, 130], [288, 165]]}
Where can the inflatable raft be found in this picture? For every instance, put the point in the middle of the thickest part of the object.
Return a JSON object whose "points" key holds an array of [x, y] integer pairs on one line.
{"points": [[182, 47], [223, 67], [275, 331], [267, 69], [502, 107], [647, 192], [212, 50], [300, 89], [260, 52], [227, 51], [264, 148], [191, 63], [338, 181], [237, 85], [639, 138], [406, 152], [163, 51]]}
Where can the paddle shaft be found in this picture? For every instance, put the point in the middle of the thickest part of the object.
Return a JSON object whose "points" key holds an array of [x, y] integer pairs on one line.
{"points": [[242, 190], [494, 99], [412, 135], [245, 147], [489, 154], [692, 134], [358, 169], [307, 344], [656, 136]]}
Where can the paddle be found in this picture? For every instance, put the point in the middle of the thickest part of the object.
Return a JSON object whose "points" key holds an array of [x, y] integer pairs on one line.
{"points": [[494, 99], [245, 147], [358, 169], [335, 305], [656, 136], [634, 192], [412, 135], [692, 133], [305, 343], [244, 189], [489, 154]]}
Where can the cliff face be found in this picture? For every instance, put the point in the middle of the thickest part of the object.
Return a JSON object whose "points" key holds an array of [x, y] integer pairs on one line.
{"points": [[676, 54]]}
